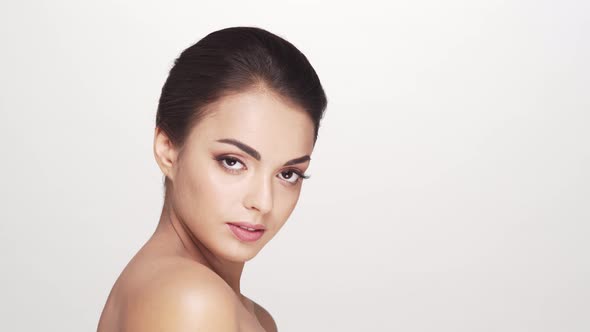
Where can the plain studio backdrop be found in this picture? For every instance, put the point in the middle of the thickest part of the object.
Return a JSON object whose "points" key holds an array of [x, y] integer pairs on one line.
{"points": [[450, 186]]}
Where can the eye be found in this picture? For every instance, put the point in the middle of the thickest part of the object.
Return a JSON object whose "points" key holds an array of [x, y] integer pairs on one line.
{"points": [[233, 165], [292, 176]]}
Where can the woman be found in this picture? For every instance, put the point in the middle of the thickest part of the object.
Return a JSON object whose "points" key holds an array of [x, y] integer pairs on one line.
{"points": [[237, 121]]}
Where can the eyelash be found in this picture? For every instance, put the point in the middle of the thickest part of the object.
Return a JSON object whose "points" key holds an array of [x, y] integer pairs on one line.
{"points": [[221, 159]]}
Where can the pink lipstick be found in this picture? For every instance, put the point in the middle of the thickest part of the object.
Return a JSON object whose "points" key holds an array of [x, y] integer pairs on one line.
{"points": [[246, 232]]}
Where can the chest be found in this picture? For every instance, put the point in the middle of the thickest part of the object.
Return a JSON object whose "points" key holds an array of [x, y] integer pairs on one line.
{"points": [[248, 321]]}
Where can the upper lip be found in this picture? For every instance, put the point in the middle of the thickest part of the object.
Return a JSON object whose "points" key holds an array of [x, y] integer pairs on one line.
{"points": [[247, 224]]}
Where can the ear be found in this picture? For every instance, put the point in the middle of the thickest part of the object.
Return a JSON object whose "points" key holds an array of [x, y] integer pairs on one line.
{"points": [[165, 152]]}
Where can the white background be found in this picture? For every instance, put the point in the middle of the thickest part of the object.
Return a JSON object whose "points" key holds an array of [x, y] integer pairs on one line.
{"points": [[450, 188]]}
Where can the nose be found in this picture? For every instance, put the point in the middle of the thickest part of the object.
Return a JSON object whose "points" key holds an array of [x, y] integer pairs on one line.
{"points": [[259, 195]]}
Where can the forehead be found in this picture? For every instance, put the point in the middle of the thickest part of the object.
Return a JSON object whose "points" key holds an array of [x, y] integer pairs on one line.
{"points": [[261, 119]]}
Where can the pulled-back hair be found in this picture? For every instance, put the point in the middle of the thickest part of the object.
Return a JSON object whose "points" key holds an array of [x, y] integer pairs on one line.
{"points": [[233, 60]]}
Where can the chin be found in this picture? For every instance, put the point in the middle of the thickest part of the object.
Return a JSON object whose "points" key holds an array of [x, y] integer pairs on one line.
{"points": [[240, 257]]}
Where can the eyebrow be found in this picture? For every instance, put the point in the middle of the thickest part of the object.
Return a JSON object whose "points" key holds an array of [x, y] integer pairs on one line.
{"points": [[255, 154]]}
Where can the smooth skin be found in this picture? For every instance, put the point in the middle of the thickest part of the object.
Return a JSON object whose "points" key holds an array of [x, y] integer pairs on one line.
{"points": [[186, 277]]}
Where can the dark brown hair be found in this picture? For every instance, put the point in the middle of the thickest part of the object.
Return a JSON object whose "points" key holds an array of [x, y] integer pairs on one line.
{"points": [[233, 60]]}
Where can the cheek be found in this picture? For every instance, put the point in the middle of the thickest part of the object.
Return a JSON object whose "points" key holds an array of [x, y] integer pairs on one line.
{"points": [[216, 191], [220, 187], [285, 202], [204, 194]]}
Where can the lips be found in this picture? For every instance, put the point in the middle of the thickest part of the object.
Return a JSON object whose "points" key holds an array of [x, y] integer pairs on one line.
{"points": [[248, 225], [246, 235]]}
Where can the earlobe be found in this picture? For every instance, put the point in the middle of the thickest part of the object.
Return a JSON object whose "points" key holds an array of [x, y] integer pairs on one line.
{"points": [[165, 153]]}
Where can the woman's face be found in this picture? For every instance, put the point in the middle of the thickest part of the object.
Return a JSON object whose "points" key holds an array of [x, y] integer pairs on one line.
{"points": [[241, 163]]}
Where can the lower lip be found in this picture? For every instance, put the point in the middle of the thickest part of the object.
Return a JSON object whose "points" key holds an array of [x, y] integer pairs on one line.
{"points": [[244, 234]]}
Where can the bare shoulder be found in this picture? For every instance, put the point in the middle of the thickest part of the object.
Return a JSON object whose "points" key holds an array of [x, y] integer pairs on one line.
{"points": [[180, 296], [265, 318]]}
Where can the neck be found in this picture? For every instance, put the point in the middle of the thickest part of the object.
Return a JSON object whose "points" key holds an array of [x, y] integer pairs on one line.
{"points": [[175, 230]]}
